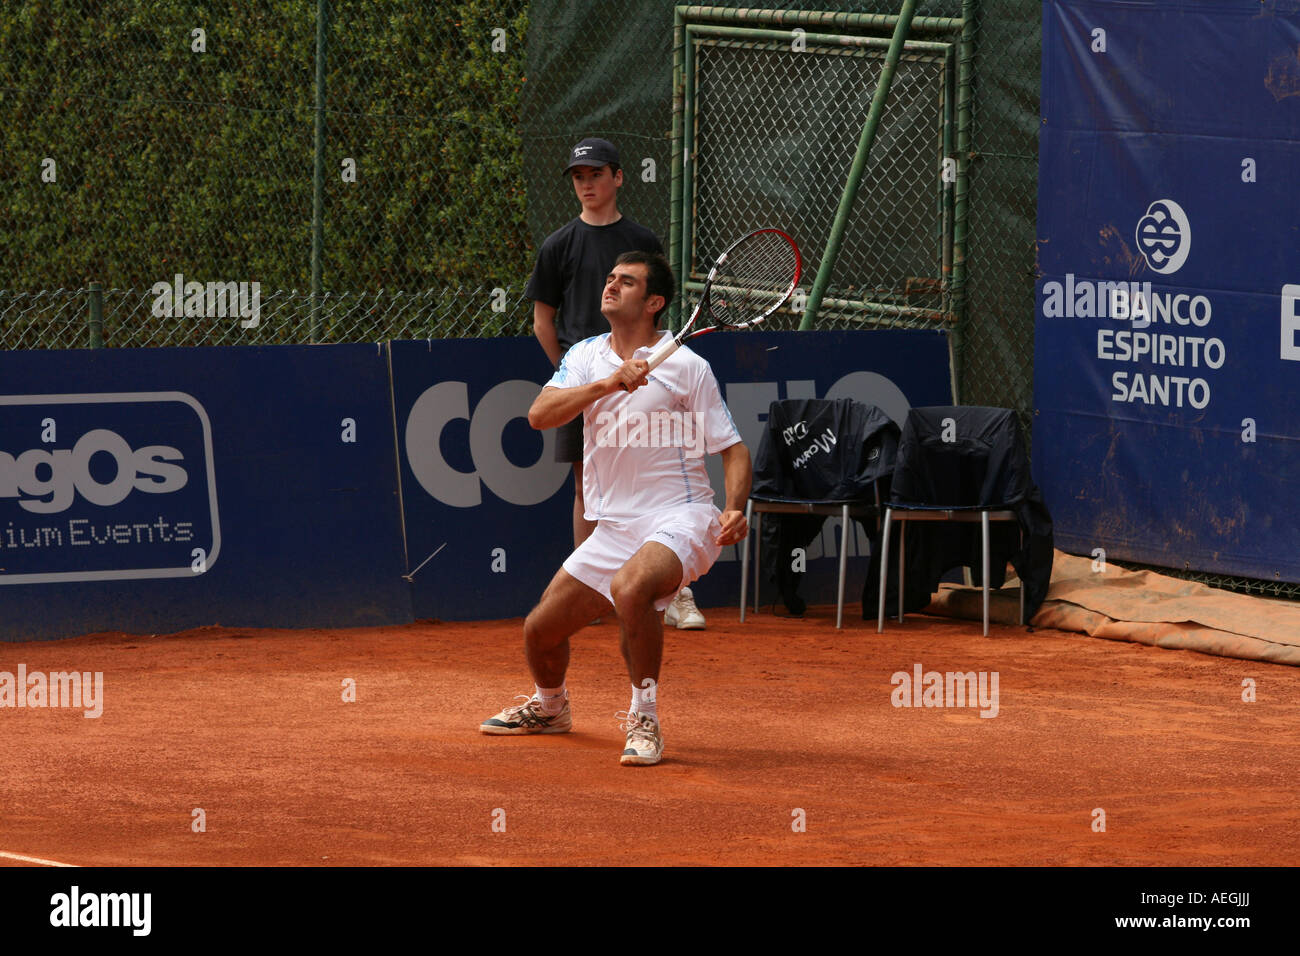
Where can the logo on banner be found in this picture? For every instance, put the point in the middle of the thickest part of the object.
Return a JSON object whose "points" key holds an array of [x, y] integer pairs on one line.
{"points": [[1164, 237], [528, 484], [1291, 322], [438, 406], [1164, 346], [98, 487]]}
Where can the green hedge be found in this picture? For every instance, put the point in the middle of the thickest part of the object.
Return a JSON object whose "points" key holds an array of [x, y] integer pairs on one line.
{"points": [[170, 160]]}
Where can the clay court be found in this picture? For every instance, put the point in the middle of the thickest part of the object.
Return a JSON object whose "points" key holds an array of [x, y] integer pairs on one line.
{"points": [[759, 719]]}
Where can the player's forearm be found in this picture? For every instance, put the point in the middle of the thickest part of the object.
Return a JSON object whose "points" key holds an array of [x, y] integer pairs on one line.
{"points": [[558, 406], [737, 474]]}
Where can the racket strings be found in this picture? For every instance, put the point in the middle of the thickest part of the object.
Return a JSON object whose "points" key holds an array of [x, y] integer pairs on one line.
{"points": [[755, 278]]}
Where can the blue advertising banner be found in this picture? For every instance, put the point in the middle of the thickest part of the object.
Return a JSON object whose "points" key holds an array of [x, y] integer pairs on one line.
{"points": [[95, 511], [488, 510], [259, 487], [173, 488], [1167, 339]]}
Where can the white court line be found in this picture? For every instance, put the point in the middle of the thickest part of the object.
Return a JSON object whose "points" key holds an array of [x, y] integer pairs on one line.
{"points": [[34, 859]]}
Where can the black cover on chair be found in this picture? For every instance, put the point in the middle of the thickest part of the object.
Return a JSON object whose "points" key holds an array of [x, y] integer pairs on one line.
{"points": [[965, 457], [817, 450]]}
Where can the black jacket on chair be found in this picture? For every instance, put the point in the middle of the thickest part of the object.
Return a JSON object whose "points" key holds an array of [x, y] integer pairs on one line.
{"points": [[817, 450], [965, 456]]}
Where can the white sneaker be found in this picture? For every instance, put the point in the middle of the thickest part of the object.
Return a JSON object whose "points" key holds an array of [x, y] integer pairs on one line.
{"points": [[645, 741], [529, 718], [683, 614]]}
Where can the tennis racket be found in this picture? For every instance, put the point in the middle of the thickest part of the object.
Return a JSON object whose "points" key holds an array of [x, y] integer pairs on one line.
{"points": [[751, 280]]}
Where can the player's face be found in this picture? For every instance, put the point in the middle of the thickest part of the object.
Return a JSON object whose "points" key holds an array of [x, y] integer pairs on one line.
{"points": [[625, 293], [596, 186]]}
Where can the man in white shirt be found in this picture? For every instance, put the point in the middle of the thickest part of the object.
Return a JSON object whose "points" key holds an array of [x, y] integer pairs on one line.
{"points": [[645, 435]]}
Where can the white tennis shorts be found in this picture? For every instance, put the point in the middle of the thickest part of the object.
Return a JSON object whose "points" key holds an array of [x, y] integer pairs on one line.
{"points": [[689, 531]]}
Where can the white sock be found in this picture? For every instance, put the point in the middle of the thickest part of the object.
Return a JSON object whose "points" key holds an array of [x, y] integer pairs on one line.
{"points": [[645, 701], [552, 698]]}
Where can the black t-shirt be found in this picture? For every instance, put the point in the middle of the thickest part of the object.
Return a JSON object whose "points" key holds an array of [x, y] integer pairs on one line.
{"points": [[571, 269]]}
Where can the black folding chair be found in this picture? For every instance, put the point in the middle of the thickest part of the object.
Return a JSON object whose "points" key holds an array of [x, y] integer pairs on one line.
{"points": [[956, 464], [819, 457]]}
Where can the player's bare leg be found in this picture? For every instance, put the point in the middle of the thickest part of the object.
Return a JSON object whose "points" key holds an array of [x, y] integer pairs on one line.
{"points": [[582, 528], [652, 573], [566, 607]]}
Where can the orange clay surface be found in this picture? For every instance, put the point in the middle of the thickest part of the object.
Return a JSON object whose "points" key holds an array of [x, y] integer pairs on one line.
{"points": [[760, 719]]}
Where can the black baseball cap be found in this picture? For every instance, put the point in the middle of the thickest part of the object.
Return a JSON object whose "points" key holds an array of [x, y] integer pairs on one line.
{"points": [[592, 152]]}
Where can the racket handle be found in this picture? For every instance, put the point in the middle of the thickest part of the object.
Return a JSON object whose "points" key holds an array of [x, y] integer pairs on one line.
{"points": [[664, 349]]}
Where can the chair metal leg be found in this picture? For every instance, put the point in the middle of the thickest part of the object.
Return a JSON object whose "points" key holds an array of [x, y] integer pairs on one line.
{"points": [[984, 524], [744, 561], [758, 553], [884, 570], [902, 548], [844, 563], [1023, 622]]}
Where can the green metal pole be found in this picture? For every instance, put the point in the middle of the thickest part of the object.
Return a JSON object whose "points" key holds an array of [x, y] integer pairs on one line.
{"points": [[947, 190], [675, 203], [96, 315], [318, 172], [859, 166], [965, 59]]}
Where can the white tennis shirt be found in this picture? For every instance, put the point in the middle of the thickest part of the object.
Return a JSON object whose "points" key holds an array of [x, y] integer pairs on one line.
{"points": [[644, 450]]}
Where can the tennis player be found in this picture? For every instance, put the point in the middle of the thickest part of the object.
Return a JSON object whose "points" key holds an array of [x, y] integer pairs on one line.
{"points": [[656, 525]]}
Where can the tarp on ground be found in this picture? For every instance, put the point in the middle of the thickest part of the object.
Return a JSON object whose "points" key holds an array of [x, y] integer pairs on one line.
{"points": [[1104, 600]]}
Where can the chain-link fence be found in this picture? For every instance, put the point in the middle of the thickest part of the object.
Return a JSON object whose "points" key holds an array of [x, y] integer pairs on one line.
{"points": [[138, 318], [1259, 587], [149, 139], [35, 320], [772, 126], [996, 350], [762, 109]]}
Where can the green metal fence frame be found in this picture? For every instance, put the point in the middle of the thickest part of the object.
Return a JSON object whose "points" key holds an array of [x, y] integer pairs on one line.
{"points": [[843, 308], [699, 22]]}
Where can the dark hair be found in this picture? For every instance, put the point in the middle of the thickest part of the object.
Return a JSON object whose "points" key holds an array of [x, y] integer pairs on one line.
{"points": [[658, 274]]}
